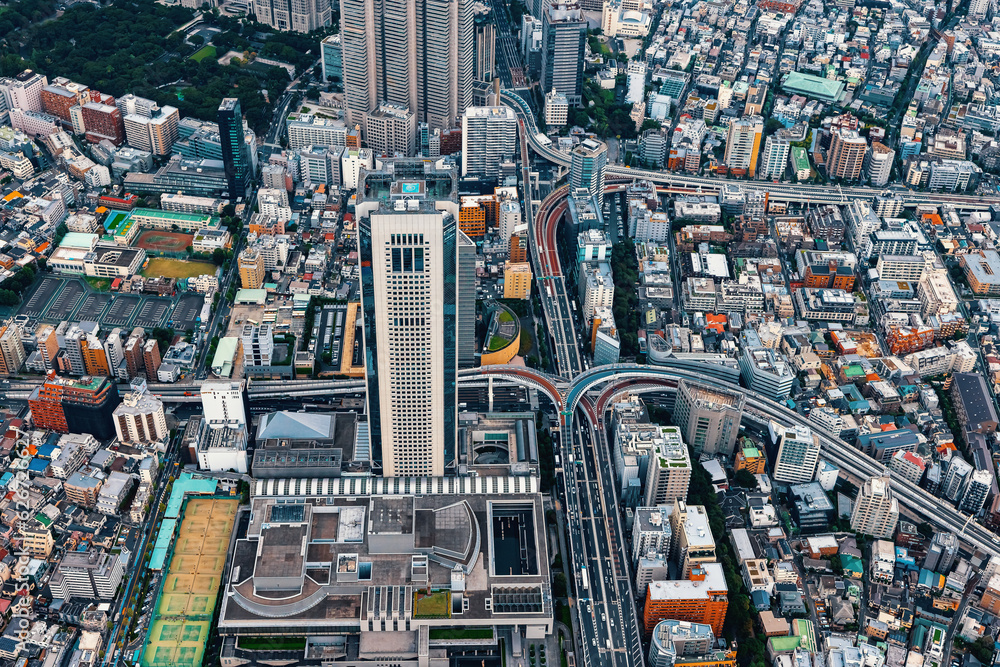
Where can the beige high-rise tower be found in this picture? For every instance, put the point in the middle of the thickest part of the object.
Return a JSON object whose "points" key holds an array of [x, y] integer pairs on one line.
{"points": [[416, 54]]}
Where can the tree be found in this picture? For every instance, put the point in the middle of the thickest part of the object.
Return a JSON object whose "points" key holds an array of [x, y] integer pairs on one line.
{"points": [[559, 586], [219, 256], [744, 478]]}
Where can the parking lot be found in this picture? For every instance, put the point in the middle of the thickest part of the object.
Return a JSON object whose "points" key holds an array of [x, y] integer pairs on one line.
{"points": [[93, 306], [55, 298], [153, 312], [122, 309], [185, 315]]}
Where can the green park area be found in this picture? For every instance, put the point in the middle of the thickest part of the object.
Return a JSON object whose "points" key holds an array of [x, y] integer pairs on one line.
{"points": [[176, 268], [461, 633], [207, 51]]}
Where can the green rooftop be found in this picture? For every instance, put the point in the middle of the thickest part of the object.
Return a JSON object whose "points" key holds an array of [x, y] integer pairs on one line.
{"points": [[784, 644], [825, 90], [751, 452], [800, 157]]}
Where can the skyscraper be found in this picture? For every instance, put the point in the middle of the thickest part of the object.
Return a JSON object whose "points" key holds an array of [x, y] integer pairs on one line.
{"points": [[847, 154], [416, 54], [294, 15], [798, 454], [333, 60], [709, 418], [489, 137], [743, 144], [466, 301], [485, 50], [235, 152], [564, 34], [11, 348], [876, 511], [588, 162], [408, 242]]}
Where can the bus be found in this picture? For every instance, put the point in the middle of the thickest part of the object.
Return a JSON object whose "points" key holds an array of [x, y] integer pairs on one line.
{"points": [[583, 577]]}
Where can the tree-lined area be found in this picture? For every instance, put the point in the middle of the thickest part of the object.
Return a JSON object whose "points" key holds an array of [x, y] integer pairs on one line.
{"points": [[131, 46]]}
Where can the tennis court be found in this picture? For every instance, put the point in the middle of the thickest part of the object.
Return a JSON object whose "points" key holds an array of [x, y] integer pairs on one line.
{"points": [[190, 590]]}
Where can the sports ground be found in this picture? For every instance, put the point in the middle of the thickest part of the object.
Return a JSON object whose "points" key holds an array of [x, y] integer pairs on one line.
{"points": [[158, 240], [181, 625], [176, 268]]}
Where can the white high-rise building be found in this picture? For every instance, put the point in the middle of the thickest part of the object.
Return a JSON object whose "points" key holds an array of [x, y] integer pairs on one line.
{"points": [[139, 417], [24, 91], [878, 163], [417, 54], [489, 138], [956, 477], [876, 511], [294, 15], [774, 159], [979, 9], [408, 247], [224, 404], [798, 454]]}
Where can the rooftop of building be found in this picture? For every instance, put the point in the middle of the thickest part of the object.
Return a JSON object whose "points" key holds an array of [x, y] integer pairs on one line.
{"points": [[687, 589]]}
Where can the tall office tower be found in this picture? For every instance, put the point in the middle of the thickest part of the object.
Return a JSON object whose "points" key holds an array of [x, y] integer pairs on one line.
{"points": [[774, 159], [408, 245], [391, 130], [294, 15], [878, 163], [467, 282], [489, 137], [235, 152], [86, 404], [24, 91], [564, 34], [709, 418], [846, 155], [668, 473], [416, 54], [225, 404], [12, 354], [333, 59], [798, 455], [955, 478], [976, 492], [588, 162], [486, 37], [876, 511], [743, 144], [156, 132]]}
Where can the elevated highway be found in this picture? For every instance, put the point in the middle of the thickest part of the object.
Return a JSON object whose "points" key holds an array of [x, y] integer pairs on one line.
{"points": [[786, 192]]}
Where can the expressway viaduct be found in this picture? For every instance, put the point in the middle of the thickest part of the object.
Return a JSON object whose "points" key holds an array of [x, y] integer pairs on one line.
{"points": [[786, 192]]}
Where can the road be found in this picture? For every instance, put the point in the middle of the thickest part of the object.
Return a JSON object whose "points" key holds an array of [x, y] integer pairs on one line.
{"points": [[508, 63], [784, 192], [137, 564]]}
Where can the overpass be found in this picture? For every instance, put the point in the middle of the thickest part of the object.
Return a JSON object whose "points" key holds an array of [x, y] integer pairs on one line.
{"points": [[708, 185], [615, 378]]}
